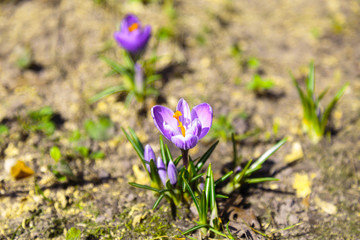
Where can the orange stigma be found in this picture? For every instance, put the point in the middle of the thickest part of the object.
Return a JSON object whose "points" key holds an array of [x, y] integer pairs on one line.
{"points": [[176, 115], [133, 27]]}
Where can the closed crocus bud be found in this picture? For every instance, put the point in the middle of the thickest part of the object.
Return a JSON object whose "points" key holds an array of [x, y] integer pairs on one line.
{"points": [[172, 173], [139, 78], [148, 155], [161, 170]]}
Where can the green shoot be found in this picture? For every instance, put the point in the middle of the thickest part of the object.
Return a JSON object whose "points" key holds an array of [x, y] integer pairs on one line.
{"points": [[314, 119]]}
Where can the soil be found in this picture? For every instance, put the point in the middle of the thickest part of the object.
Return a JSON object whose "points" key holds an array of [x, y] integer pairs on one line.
{"points": [[65, 39]]}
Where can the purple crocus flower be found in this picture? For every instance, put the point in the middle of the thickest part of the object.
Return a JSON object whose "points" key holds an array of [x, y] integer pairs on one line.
{"points": [[183, 128], [148, 155], [161, 170], [132, 37], [172, 173]]}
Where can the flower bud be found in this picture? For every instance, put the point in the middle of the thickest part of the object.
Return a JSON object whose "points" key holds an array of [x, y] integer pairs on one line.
{"points": [[161, 170], [172, 173]]}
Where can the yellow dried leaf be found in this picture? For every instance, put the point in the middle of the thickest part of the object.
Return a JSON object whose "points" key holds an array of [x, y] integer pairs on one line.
{"points": [[302, 185], [326, 206], [296, 153], [141, 176], [20, 170]]}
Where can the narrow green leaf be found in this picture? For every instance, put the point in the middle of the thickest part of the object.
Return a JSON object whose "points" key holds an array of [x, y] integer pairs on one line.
{"points": [[217, 232], [154, 175], [205, 157], [136, 139], [197, 177], [168, 154], [311, 81], [195, 228], [259, 180], [177, 160], [239, 176], [267, 154], [192, 195], [221, 196], [107, 92], [158, 201], [322, 94], [144, 187], [329, 108], [116, 66], [223, 178], [162, 150], [137, 148]]}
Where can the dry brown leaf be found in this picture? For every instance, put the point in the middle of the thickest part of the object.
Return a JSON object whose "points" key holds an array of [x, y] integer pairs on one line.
{"points": [[20, 170]]}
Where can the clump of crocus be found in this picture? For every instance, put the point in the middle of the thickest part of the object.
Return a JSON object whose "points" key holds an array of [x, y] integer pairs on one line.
{"points": [[314, 119], [138, 74], [183, 127], [164, 173]]}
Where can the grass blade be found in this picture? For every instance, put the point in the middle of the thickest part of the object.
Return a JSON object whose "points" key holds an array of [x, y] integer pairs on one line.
{"points": [[223, 178], [136, 139], [205, 157], [259, 180], [144, 187], [192, 195], [267, 154], [107, 92], [158, 201], [195, 228]]}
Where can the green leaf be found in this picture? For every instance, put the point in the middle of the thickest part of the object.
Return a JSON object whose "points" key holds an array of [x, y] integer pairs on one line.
{"points": [[117, 67], [83, 151], [221, 196], [177, 160], [206, 156], [329, 108], [192, 195], [135, 145], [158, 201], [107, 92], [196, 228], [144, 187], [73, 234], [223, 178], [55, 153], [197, 177], [162, 150], [267, 154], [311, 81], [136, 139], [168, 154], [217, 232], [259, 180]]}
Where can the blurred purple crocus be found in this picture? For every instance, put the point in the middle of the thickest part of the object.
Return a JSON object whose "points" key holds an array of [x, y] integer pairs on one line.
{"points": [[132, 36], [183, 128]]}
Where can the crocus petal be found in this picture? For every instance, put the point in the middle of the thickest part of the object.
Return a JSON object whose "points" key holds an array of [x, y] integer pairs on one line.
{"points": [[128, 20], [204, 113], [163, 115], [172, 172], [161, 170], [184, 108], [148, 155], [133, 41], [185, 143], [195, 128]]}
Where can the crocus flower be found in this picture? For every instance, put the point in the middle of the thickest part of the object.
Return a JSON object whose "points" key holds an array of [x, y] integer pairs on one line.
{"points": [[161, 170], [148, 155], [170, 173], [182, 127], [132, 37]]}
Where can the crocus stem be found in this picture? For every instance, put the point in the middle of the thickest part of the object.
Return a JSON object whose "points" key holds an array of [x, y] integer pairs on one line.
{"points": [[185, 157]]}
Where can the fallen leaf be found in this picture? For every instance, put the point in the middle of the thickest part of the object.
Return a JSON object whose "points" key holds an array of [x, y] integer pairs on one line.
{"points": [[302, 185], [327, 207], [20, 170], [296, 153], [141, 176]]}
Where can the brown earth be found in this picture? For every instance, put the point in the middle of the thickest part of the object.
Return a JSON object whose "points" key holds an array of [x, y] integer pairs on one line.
{"points": [[65, 39]]}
